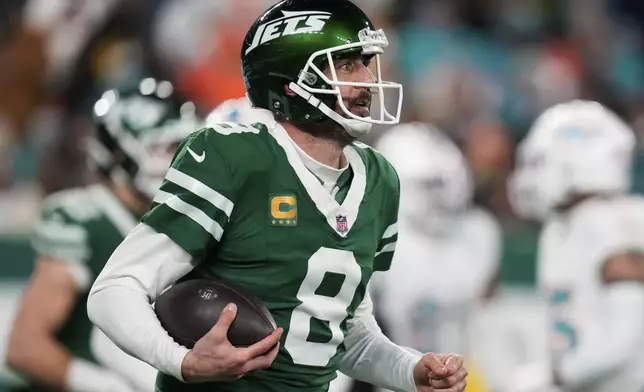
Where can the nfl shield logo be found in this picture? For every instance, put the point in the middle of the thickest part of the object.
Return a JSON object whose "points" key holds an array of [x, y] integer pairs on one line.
{"points": [[341, 223]]}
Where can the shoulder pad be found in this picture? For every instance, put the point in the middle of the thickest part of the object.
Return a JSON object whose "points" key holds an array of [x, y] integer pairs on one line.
{"points": [[374, 160], [77, 205], [61, 232], [608, 227]]}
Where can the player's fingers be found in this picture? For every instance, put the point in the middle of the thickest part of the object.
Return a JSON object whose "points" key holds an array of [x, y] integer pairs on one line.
{"points": [[453, 362], [435, 367], [226, 318], [460, 387], [263, 345], [450, 381], [261, 362]]}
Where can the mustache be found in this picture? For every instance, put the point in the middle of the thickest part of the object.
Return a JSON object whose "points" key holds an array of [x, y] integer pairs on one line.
{"points": [[363, 98]]}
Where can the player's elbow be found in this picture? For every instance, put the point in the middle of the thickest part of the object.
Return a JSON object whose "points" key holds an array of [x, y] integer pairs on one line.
{"points": [[100, 305], [92, 306], [618, 354], [15, 358], [22, 349]]}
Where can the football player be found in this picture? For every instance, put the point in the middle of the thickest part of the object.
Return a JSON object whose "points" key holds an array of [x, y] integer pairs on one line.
{"points": [[444, 232], [294, 211], [573, 173], [52, 342]]}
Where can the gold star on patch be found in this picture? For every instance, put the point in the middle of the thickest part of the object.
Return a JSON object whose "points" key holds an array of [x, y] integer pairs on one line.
{"points": [[294, 222], [274, 221], [288, 222], [281, 222]]}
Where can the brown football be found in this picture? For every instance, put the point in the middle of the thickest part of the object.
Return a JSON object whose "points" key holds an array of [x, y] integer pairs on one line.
{"points": [[188, 310]]}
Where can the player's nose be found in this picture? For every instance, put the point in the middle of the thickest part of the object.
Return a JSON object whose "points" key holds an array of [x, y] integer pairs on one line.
{"points": [[364, 75]]}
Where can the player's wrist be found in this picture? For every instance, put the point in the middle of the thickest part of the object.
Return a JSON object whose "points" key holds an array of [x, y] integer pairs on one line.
{"points": [[187, 367]]}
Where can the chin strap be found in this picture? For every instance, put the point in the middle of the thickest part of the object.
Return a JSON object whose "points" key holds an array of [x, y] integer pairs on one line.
{"points": [[355, 128]]}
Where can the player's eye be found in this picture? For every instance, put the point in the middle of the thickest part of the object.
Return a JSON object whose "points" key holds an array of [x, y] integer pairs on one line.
{"points": [[347, 66]]}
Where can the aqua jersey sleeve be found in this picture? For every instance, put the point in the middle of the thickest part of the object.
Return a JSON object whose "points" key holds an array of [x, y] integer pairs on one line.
{"points": [[195, 201]]}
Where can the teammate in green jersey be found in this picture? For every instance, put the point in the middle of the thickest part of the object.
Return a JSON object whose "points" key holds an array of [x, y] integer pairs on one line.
{"points": [[294, 210], [53, 343]]}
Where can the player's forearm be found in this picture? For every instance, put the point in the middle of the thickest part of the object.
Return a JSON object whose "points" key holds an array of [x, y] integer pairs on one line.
{"points": [[138, 373], [119, 303], [127, 318], [373, 358], [623, 329], [41, 359]]}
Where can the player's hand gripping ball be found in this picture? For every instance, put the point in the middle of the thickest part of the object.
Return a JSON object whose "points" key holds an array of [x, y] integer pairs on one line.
{"points": [[188, 310]]}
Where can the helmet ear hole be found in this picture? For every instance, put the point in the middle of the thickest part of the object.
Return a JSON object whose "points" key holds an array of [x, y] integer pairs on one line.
{"points": [[288, 91]]}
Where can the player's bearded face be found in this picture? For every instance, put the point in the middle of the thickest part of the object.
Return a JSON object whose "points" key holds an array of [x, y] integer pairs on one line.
{"points": [[356, 99], [353, 69]]}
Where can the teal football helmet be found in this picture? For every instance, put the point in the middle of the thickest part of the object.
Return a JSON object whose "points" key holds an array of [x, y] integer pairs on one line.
{"points": [[290, 44], [137, 132]]}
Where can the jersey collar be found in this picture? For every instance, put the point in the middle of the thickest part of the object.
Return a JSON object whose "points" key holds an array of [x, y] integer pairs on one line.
{"points": [[334, 212]]}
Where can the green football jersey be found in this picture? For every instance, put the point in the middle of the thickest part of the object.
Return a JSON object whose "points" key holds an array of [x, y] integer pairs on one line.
{"points": [[239, 199], [82, 227]]}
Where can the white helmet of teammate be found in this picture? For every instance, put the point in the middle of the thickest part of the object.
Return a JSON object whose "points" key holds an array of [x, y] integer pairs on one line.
{"points": [[435, 182], [239, 110], [574, 148]]}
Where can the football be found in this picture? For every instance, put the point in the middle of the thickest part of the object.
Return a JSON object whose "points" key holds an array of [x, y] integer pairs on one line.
{"points": [[188, 310]]}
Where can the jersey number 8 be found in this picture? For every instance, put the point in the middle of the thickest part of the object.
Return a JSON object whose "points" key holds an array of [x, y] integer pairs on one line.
{"points": [[332, 310]]}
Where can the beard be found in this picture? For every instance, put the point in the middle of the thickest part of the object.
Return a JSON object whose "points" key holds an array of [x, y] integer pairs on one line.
{"points": [[329, 129]]}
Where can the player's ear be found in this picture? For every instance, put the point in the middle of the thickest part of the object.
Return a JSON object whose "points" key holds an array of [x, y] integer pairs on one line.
{"points": [[624, 267]]}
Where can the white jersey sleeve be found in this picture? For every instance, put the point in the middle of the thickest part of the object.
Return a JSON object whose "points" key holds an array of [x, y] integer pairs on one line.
{"points": [[120, 300], [486, 241], [445, 277], [594, 325]]}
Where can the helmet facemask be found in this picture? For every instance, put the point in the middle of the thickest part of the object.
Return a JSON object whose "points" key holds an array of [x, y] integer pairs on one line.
{"points": [[313, 81]]}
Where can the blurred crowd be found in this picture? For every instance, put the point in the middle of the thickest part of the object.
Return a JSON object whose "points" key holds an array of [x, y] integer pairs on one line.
{"points": [[481, 70]]}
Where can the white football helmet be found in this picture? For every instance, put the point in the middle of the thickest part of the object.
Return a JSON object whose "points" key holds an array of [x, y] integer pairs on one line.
{"points": [[574, 148], [239, 110], [435, 182]]}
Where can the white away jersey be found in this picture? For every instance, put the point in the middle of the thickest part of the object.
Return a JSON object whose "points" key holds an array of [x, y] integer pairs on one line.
{"points": [[572, 252], [433, 282]]}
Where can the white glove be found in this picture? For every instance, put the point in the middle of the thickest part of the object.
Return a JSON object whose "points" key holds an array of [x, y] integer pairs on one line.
{"points": [[84, 376]]}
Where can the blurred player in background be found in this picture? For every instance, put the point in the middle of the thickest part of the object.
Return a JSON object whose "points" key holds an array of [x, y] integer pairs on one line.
{"points": [[53, 343], [573, 173], [447, 262]]}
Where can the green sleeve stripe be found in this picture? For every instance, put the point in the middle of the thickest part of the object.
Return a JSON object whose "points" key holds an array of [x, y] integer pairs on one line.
{"points": [[390, 247], [192, 212], [391, 231], [200, 189]]}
